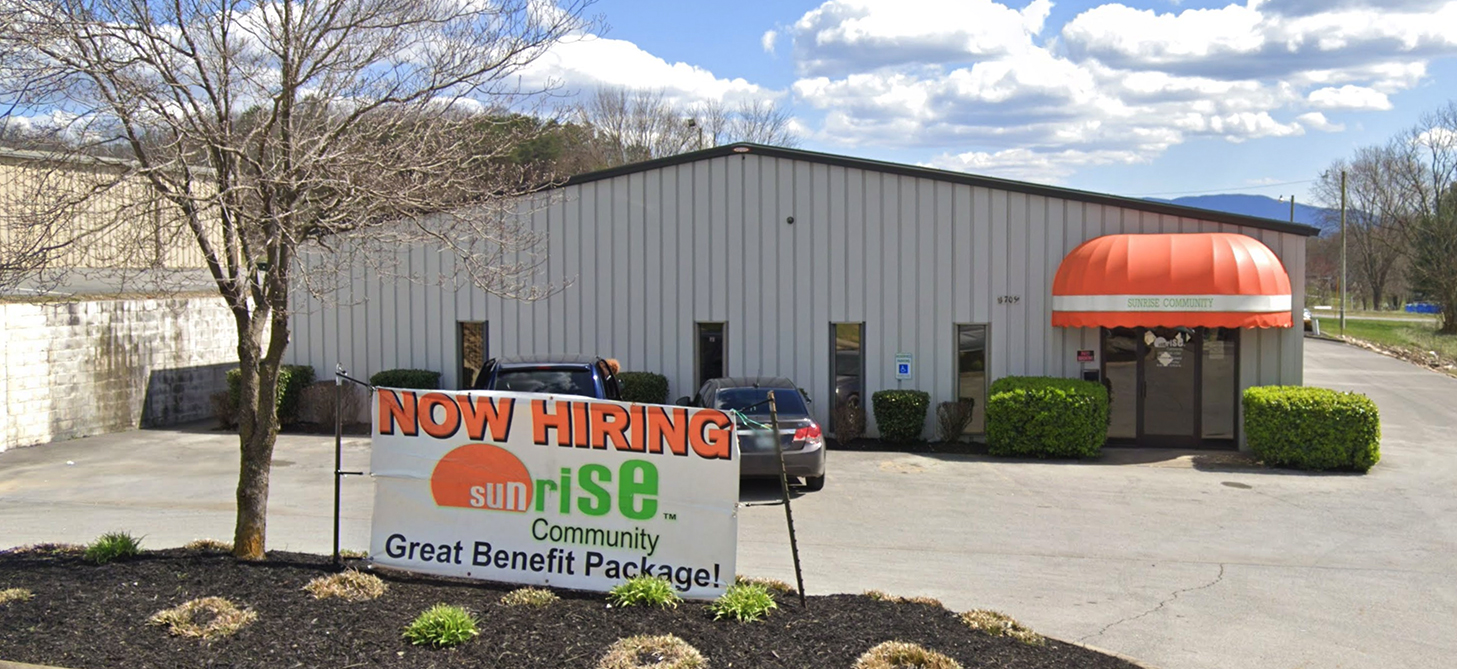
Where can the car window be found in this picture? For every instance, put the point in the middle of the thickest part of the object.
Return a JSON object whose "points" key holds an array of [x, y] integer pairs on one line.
{"points": [[786, 400], [564, 381]]}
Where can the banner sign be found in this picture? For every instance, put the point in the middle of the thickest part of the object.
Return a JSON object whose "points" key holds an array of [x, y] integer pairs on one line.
{"points": [[554, 490], [1176, 303]]}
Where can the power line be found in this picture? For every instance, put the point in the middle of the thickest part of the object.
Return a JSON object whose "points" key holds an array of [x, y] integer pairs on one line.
{"points": [[1226, 190]]}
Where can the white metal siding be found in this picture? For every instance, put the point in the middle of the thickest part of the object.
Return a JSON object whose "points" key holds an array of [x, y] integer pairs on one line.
{"points": [[649, 254]]}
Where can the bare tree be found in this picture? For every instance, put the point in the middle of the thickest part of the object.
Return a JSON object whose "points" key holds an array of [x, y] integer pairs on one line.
{"points": [[1374, 216], [762, 122], [1426, 167], [268, 126], [635, 125]]}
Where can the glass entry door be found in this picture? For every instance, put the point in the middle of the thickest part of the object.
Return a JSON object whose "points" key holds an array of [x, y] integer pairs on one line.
{"points": [[1170, 383], [1171, 386]]}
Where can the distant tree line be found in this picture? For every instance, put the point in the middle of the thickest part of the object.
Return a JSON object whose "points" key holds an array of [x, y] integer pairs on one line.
{"points": [[1401, 219]]}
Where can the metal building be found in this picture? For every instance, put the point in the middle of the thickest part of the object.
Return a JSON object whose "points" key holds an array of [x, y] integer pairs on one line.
{"points": [[851, 276]]}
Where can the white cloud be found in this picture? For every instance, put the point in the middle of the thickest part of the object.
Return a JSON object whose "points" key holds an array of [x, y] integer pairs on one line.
{"points": [[1348, 97], [767, 40], [1318, 121], [584, 64], [1114, 85], [842, 36]]}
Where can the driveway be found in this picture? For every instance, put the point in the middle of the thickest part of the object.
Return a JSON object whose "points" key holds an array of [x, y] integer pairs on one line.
{"points": [[1178, 560]]}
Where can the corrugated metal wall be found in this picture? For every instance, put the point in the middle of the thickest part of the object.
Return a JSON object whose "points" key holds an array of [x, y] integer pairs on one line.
{"points": [[652, 253]]}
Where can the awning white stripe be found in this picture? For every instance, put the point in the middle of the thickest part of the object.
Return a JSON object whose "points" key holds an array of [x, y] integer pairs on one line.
{"points": [[1144, 303]]}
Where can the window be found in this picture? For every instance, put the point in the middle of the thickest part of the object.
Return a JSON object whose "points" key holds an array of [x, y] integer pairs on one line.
{"points": [[848, 364], [971, 374], [472, 337], [710, 347], [755, 401]]}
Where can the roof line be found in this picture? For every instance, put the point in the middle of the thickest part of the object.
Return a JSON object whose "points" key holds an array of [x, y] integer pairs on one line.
{"points": [[746, 148]]}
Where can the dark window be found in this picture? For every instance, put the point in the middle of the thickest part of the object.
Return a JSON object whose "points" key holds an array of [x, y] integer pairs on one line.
{"points": [[971, 372], [564, 381], [787, 401], [710, 351], [472, 352]]}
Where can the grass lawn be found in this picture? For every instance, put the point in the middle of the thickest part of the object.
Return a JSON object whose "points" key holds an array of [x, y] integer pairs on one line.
{"points": [[1419, 336]]}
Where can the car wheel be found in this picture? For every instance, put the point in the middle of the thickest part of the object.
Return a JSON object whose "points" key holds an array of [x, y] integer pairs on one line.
{"points": [[814, 483]]}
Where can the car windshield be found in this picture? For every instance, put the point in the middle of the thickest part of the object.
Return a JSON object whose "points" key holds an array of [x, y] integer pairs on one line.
{"points": [[787, 400], [560, 380]]}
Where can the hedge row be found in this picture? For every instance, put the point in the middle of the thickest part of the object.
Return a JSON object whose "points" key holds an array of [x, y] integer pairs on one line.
{"points": [[415, 379], [292, 380], [646, 387], [1312, 428], [1046, 417]]}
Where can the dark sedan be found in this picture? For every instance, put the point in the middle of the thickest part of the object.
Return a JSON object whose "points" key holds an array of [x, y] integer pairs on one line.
{"points": [[801, 438]]}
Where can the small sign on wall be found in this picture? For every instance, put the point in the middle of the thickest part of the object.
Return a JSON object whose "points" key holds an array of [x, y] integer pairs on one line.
{"points": [[904, 362], [1085, 355]]}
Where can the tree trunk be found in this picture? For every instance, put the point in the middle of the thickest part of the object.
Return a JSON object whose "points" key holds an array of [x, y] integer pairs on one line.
{"points": [[258, 420]]}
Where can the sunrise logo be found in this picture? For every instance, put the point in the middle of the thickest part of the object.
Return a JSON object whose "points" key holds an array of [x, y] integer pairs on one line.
{"points": [[481, 476]]}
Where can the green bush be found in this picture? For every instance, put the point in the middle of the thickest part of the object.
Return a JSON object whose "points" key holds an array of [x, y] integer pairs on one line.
{"points": [[416, 379], [646, 387], [1312, 428], [442, 626], [1046, 417], [901, 414], [744, 602], [113, 546], [292, 380], [644, 591]]}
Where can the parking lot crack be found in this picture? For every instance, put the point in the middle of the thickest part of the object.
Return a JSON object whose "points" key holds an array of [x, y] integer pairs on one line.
{"points": [[1172, 596]]}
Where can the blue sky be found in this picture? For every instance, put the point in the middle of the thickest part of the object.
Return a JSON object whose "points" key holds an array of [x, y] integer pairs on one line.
{"points": [[1141, 98]]}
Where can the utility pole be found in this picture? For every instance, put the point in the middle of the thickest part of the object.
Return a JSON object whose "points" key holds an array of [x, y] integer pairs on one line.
{"points": [[1343, 253], [1292, 208]]}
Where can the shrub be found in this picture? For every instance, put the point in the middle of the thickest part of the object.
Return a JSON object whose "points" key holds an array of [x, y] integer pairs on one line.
{"points": [[416, 379], [659, 652], [774, 585], [849, 422], [954, 417], [533, 597], [113, 546], [645, 591], [1047, 417], [351, 585], [206, 618], [15, 595], [209, 546], [901, 414], [744, 602], [1000, 624], [646, 387], [1312, 428], [442, 626], [225, 408], [292, 380], [901, 655], [883, 596], [319, 403]]}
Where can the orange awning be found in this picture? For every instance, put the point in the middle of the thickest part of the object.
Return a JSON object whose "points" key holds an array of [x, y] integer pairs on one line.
{"points": [[1214, 279]]}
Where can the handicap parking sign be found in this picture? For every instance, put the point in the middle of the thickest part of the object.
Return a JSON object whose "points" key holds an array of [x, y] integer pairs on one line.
{"points": [[903, 362]]}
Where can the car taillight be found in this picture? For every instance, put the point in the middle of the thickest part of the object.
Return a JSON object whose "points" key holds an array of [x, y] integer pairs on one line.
{"points": [[804, 433]]}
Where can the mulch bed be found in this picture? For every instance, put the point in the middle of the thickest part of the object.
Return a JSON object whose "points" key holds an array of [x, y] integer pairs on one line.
{"points": [[83, 615]]}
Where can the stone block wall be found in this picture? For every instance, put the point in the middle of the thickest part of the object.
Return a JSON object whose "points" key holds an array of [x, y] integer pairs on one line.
{"points": [[73, 369]]}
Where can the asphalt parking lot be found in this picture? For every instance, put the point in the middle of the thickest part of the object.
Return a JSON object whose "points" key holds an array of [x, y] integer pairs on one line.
{"points": [[1176, 559]]}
